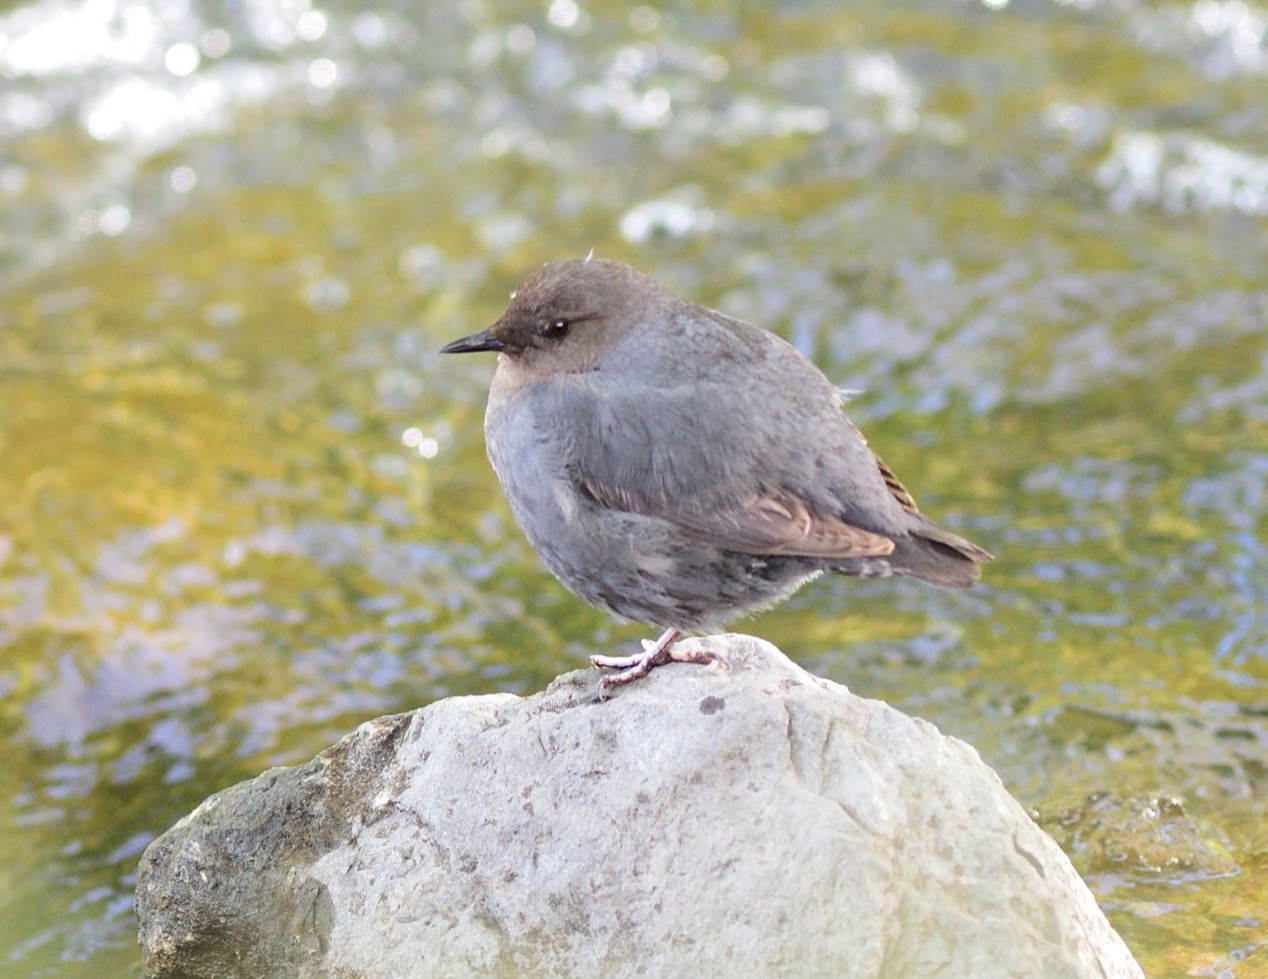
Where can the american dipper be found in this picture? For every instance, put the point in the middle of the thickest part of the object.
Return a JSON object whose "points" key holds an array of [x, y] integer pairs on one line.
{"points": [[681, 468]]}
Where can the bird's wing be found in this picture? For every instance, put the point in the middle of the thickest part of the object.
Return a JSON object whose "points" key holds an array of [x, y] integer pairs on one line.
{"points": [[766, 524], [720, 461], [896, 489]]}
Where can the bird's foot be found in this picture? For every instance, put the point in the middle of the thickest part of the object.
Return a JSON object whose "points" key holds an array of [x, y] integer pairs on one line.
{"points": [[663, 650]]}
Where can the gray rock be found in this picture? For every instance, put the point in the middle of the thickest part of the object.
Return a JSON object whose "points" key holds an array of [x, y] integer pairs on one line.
{"points": [[701, 823]]}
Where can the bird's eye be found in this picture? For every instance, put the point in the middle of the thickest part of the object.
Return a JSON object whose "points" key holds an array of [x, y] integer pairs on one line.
{"points": [[557, 328]]}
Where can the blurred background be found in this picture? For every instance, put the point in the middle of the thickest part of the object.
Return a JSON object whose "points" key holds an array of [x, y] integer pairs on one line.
{"points": [[244, 505]]}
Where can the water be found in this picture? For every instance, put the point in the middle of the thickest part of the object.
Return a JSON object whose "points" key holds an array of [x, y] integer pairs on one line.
{"points": [[244, 504]]}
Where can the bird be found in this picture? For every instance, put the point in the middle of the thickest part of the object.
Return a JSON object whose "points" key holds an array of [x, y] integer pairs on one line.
{"points": [[681, 468]]}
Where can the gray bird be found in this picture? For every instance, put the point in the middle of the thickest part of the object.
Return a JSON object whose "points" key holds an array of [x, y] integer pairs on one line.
{"points": [[681, 468]]}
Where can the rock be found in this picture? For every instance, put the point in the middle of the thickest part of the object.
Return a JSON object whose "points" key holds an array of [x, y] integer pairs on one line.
{"points": [[759, 821]]}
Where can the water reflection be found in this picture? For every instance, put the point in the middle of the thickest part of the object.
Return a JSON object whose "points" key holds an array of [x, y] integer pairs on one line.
{"points": [[1183, 174]]}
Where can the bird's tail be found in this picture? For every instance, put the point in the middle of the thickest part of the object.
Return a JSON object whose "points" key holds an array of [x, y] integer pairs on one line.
{"points": [[935, 555], [928, 552]]}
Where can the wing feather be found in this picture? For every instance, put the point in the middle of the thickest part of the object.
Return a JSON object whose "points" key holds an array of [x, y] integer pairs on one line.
{"points": [[765, 524]]}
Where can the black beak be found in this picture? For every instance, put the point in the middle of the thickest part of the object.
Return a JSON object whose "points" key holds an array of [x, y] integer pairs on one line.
{"points": [[474, 343]]}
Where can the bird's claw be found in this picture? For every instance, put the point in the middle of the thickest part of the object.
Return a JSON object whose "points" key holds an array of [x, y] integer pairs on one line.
{"points": [[663, 650]]}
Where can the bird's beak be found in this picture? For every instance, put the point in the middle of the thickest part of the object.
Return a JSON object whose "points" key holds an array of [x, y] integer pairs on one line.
{"points": [[483, 340]]}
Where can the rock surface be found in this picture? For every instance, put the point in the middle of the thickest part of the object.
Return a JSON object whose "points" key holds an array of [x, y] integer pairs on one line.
{"points": [[758, 822]]}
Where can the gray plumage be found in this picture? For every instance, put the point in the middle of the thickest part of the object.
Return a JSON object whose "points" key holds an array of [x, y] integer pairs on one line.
{"points": [[679, 467]]}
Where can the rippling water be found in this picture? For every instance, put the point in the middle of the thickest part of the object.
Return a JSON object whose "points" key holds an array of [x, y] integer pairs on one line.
{"points": [[244, 506]]}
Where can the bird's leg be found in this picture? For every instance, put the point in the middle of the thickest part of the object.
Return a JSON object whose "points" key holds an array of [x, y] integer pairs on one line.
{"points": [[654, 654]]}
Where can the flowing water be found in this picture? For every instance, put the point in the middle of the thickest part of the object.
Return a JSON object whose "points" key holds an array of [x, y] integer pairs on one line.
{"points": [[244, 504]]}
